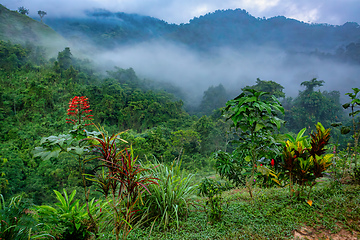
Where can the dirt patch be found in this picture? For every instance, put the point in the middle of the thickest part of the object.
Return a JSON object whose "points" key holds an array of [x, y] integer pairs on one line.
{"points": [[310, 233]]}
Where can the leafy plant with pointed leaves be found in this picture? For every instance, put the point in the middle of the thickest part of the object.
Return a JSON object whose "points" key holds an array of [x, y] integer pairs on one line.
{"points": [[304, 161], [213, 191], [72, 143], [169, 198], [3, 181], [68, 219], [126, 180], [16, 221], [256, 116]]}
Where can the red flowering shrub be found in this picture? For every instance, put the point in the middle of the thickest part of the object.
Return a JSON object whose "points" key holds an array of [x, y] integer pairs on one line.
{"points": [[78, 110]]}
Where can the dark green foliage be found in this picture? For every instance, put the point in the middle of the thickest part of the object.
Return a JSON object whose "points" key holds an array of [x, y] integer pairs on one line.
{"points": [[64, 59], [213, 98], [16, 221], [68, 219], [270, 87], [254, 117], [33, 103], [356, 174], [23, 10], [231, 166], [213, 191], [42, 14], [312, 106]]}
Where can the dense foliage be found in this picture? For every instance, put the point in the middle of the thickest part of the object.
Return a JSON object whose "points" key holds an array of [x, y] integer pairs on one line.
{"points": [[48, 144]]}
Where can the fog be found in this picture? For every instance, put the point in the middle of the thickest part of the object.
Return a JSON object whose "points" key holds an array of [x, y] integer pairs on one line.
{"points": [[181, 11], [194, 71]]}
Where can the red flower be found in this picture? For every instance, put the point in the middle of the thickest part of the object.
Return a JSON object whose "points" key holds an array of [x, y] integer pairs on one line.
{"points": [[272, 162], [260, 164], [79, 109]]}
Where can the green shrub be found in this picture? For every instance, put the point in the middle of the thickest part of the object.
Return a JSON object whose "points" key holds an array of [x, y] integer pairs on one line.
{"points": [[16, 221], [213, 191], [68, 219], [169, 199]]}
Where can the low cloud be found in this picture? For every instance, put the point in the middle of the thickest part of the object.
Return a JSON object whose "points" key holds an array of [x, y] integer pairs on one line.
{"points": [[194, 72]]}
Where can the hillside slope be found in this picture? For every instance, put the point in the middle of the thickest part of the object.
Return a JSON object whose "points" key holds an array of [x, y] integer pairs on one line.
{"points": [[22, 29]]}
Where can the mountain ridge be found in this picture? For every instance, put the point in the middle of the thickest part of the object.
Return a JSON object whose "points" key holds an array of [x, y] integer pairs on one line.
{"points": [[232, 28]]}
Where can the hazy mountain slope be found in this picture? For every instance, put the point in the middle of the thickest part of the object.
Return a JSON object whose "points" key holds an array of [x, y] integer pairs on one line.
{"points": [[234, 28], [230, 28], [22, 29], [107, 29]]}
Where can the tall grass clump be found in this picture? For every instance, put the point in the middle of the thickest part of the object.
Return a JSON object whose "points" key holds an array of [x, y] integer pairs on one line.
{"points": [[169, 199]]}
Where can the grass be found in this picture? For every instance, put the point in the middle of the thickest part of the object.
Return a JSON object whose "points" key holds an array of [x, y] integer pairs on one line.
{"points": [[272, 215]]}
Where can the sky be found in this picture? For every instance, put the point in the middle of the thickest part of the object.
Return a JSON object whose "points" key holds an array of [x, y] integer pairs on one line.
{"points": [[335, 12]]}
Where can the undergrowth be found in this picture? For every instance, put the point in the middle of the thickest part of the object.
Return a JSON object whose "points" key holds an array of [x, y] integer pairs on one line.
{"points": [[271, 215]]}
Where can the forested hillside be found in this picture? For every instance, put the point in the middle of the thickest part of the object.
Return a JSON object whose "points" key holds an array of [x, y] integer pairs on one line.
{"points": [[230, 28], [19, 28], [35, 92], [34, 96], [131, 143]]}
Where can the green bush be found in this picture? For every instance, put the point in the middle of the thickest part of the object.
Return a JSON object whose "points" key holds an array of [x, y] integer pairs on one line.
{"points": [[213, 191], [68, 219], [16, 221], [169, 199]]}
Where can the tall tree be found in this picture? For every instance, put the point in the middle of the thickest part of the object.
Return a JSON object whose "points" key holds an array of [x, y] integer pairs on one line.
{"points": [[271, 87], [42, 14], [64, 58], [213, 98], [312, 106], [310, 85]]}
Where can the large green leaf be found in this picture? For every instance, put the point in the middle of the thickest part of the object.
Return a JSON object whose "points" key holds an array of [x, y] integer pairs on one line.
{"points": [[46, 154], [259, 126], [62, 200]]}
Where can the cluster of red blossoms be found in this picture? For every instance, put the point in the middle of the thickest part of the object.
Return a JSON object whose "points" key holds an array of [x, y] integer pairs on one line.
{"points": [[79, 109]]}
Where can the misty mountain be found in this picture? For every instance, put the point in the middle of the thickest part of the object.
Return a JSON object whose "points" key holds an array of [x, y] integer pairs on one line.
{"points": [[107, 29], [21, 29], [228, 47], [237, 27], [230, 28]]}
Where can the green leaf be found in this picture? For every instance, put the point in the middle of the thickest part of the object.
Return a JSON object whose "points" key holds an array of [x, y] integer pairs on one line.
{"points": [[346, 105], [354, 113], [336, 124], [77, 150], [248, 158], [300, 137], [46, 154], [77, 225], [72, 195], [259, 126], [345, 130], [290, 137]]}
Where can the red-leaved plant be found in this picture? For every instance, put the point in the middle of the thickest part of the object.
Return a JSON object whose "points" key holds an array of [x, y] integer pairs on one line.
{"points": [[124, 181], [79, 110]]}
